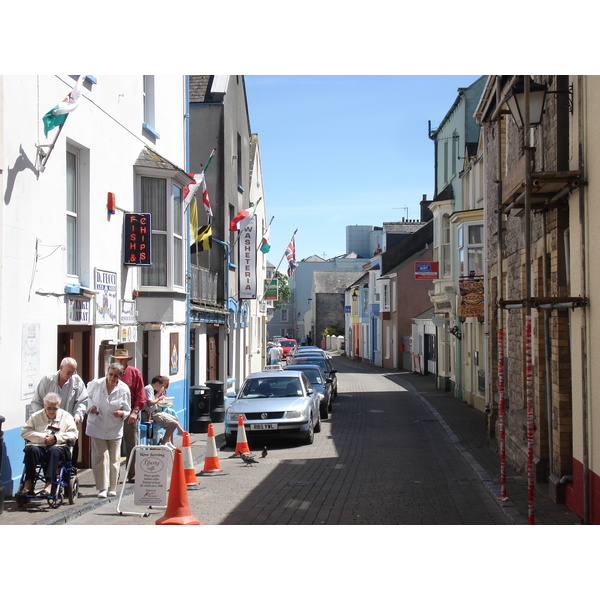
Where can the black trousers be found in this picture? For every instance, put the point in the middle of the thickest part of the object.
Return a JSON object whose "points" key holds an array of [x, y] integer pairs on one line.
{"points": [[49, 456]]}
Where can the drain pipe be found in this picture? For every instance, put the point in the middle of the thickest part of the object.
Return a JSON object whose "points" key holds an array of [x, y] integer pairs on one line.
{"points": [[584, 329], [548, 347]]}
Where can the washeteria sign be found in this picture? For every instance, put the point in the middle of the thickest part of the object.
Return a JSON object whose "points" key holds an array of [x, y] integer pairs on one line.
{"points": [[247, 253]]}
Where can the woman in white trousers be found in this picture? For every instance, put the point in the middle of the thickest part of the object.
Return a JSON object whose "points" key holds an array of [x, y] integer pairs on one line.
{"points": [[109, 405]]}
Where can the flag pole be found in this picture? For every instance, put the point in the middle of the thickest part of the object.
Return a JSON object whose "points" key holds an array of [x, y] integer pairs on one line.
{"points": [[43, 155], [277, 267]]}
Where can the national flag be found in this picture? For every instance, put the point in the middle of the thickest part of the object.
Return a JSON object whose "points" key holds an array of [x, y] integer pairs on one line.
{"points": [[58, 115], [290, 254], [242, 219], [265, 243], [204, 237]]}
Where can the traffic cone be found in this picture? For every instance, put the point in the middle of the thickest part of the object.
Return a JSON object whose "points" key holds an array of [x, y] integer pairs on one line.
{"points": [[178, 510], [241, 445], [188, 461], [211, 460]]}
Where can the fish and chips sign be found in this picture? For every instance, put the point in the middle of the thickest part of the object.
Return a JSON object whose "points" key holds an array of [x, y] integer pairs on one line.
{"points": [[471, 297]]}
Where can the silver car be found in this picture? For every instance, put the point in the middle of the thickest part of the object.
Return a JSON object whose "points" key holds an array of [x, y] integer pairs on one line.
{"points": [[275, 402]]}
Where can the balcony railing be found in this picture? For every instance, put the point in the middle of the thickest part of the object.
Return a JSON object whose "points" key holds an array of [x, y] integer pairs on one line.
{"points": [[203, 285]]}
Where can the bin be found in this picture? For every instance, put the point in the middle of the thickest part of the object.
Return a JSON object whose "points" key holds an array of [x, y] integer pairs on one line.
{"points": [[199, 409], [217, 400]]}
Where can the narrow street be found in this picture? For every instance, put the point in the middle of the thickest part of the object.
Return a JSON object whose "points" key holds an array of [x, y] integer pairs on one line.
{"points": [[381, 459]]}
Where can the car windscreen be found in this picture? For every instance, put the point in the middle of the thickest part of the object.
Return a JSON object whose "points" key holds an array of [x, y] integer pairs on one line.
{"points": [[287, 344], [271, 387]]}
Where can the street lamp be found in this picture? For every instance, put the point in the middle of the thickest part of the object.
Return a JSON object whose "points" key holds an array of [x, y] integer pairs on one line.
{"points": [[516, 103]]}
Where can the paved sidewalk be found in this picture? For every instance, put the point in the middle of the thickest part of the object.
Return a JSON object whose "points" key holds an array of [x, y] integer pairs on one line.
{"points": [[466, 427], [37, 512]]}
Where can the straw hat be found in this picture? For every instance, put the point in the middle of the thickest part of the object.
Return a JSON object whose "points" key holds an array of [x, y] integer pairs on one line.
{"points": [[121, 353]]}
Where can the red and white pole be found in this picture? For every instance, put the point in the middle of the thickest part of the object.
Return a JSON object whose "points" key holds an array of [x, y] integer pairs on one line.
{"points": [[501, 415], [529, 409]]}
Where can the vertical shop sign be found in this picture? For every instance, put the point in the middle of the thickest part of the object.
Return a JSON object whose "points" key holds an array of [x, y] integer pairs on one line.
{"points": [[137, 239], [247, 249]]}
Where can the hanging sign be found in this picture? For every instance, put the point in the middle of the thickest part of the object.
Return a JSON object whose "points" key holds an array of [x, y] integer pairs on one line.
{"points": [[471, 297], [271, 289], [137, 239], [247, 244]]}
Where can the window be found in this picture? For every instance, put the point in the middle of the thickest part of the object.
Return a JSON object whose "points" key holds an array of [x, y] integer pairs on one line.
{"points": [[386, 296], [72, 211], [166, 209], [285, 315], [445, 264], [470, 249], [149, 125]]}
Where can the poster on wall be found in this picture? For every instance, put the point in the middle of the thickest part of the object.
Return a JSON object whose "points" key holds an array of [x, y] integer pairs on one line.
{"points": [[30, 359], [106, 298], [174, 349], [247, 249]]}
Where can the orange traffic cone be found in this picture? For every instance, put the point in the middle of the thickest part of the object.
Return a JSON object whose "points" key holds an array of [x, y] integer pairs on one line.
{"points": [[178, 510], [188, 461], [211, 460], [241, 445]]}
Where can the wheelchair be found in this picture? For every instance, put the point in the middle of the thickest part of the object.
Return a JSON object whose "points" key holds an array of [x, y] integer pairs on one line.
{"points": [[64, 484]]}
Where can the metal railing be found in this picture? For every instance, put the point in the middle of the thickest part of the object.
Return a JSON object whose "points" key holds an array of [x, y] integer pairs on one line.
{"points": [[203, 286]]}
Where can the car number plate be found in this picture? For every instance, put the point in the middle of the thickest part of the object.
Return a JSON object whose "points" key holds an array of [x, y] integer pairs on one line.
{"points": [[262, 426]]}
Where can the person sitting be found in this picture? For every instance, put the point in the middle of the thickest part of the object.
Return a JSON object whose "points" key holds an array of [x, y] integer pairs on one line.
{"points": [[49, 433], [155, 393]]}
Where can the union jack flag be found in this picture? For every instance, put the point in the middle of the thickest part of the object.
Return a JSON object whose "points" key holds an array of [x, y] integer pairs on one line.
{"points": [[290, 254]]}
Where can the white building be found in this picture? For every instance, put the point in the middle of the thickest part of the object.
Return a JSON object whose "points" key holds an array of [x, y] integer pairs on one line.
{"points": [[70, 284]]}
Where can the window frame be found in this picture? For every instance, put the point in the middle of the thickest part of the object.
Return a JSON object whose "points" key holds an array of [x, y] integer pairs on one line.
{"points": [[171, 182]]}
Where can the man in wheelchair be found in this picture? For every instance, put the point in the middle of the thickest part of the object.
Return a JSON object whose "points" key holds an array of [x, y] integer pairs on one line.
{"points": [[49, 433]]}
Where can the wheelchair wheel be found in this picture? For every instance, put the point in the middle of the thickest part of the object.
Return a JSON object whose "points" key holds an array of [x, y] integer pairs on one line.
{"points": [[73, 489], [57, 498]]}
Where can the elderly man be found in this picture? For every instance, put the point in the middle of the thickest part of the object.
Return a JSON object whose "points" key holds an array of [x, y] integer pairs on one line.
{"points": [[48, 432], [72, 391], [132, 377]]}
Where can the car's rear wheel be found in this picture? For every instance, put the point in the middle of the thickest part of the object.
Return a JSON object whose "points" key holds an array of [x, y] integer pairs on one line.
{"points": [[324, 410]]}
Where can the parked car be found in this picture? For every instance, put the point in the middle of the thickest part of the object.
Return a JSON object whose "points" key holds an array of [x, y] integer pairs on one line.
{"points": [[320, 382], [323, 362], [308, 350], [275, 402], [287, 346]]}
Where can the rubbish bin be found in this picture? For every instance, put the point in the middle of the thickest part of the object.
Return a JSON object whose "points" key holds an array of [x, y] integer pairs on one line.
{"points": [[199, 409], [217, 400]]}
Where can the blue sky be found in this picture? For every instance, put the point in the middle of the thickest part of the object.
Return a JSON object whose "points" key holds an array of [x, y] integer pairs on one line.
{"points": [[344, 150]]}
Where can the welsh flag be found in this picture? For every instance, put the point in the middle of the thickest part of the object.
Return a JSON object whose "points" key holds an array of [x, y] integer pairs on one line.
{"points": [[242, 219], [58, 115], [265, 243]]}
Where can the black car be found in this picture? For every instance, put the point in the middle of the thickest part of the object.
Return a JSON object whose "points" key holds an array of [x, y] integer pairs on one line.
{"points": [[324, 363]]}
